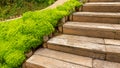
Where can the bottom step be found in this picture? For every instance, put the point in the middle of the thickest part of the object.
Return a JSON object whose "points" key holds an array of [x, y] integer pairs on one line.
{"points": [[37, 61], [46, 58]]}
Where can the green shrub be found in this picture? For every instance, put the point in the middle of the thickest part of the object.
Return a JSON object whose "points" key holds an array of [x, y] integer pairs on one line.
{"points": [[16, 56], [5, 66], [21, 35]]}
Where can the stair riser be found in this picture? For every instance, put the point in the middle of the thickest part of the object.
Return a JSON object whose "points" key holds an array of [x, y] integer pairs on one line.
{"points": [[117, 36], [103, 0], [94, 19], [89, 32], [113, 57], [101, 8], [77, 51]]}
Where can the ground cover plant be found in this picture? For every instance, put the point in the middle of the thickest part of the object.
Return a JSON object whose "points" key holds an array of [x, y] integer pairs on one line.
{"points": [[21, 35]]}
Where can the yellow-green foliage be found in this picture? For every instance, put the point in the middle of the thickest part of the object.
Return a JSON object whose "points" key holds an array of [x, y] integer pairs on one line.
{"points": [[21, 35]]}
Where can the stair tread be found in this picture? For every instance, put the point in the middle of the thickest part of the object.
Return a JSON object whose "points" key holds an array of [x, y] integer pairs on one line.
{"points": [[82, 38], [98, 14], [77, 44], [93, 26], [102, 4], [71, 58], [90, 39], [104, 0], [37, 61]]}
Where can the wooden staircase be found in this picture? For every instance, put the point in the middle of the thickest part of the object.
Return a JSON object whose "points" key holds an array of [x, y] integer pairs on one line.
{"points": [[91, 39]]}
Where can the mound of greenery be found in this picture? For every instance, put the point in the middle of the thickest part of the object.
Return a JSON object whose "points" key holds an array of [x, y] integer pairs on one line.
{"points": [[17, 7], [21, 35]]}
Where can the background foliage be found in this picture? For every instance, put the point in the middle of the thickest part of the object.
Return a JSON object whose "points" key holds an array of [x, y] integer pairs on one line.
{"points": [[17, 7]]}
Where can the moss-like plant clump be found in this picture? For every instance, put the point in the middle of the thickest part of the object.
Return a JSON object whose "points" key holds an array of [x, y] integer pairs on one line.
{"points": [[21, 35]]}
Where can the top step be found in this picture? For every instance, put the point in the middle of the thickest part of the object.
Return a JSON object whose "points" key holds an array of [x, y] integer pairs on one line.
{"points": [[101, 7], [103, 0]]}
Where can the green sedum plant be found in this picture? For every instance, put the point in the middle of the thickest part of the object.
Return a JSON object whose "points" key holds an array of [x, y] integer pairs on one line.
{"points": [[21, 35]]}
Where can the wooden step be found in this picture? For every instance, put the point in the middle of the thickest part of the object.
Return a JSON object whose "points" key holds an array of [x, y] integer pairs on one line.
{"points": [[103, 0], [46, 58], [96, 17], [79, 60], [101, 7], [92, 29], [104, 50], [37, 61]]}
